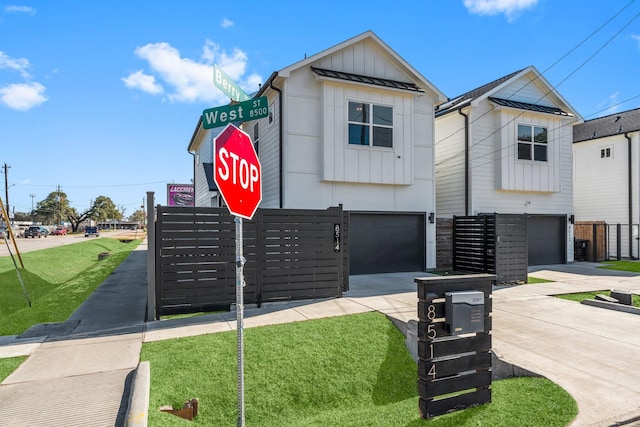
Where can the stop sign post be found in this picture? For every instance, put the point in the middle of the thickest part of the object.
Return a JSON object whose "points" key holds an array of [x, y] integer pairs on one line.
{"points": [[237, 173]]}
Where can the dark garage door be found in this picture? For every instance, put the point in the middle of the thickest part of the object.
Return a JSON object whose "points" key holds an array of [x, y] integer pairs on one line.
{"points": [[386, 243], [546, 239]]}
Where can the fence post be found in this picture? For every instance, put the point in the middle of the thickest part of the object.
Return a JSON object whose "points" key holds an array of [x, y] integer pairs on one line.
{"points": [[151, 259], [618, 242], [259, 252], [594, 234]]}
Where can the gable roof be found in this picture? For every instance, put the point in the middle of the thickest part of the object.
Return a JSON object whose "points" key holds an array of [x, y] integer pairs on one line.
{"points": [[486, 91], [613, 124], [419, 80]]}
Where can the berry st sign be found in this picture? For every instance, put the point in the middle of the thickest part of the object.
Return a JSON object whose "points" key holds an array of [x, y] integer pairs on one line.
{"points": [[237, 171]]}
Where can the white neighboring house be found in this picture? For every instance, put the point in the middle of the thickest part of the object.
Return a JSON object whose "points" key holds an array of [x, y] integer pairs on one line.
{"points": [[505, 148], [351, 125], [606, 153]]}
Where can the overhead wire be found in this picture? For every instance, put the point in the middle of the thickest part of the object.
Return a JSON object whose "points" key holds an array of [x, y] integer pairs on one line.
{"points": [[462, 152]]}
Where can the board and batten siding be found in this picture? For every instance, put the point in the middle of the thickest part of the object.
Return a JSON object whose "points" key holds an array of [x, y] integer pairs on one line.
{"points": [[600, 184], [449, 155], [204, 154]]}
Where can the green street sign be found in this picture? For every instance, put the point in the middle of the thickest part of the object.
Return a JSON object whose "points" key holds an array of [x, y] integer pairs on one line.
{"points": [[245, 111], [228, 86]]}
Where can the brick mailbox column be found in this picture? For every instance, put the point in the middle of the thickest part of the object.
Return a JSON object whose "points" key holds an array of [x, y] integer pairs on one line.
{"points": [[454, 342]]}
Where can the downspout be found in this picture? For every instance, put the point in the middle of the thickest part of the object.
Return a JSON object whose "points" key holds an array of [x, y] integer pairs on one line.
{"points": [[466, 160], [280, 138], [630, 196]]}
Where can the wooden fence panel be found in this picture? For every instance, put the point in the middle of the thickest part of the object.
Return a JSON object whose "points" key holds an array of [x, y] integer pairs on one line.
{"points": [[291, 254]]}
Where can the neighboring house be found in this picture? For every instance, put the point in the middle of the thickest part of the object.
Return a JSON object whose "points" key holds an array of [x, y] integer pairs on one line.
{"points": [[505, 148], [351, 125], [606, 153]]}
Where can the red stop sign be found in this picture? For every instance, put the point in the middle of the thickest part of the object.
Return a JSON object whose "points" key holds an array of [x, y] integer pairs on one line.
{"points": [[237, 171]]}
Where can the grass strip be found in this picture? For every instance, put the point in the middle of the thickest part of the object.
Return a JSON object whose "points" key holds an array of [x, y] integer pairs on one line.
{"points": [[10, 364], [349, 371], [582, 296], [57, 279], [632, 266]]}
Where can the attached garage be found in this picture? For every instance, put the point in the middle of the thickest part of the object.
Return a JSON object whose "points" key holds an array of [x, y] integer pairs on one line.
{"points": [[546, 237], [386, 242]]}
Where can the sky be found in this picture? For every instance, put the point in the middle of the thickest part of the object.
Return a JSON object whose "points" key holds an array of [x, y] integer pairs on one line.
{"points": [[102, 98]]}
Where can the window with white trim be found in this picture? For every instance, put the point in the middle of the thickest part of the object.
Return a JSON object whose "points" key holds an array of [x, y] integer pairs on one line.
{"points": [[606, 152], [532, 143], [370, 124]]}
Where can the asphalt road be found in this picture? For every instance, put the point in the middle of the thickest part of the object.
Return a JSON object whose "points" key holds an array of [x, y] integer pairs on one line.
{"points": [[35, 244]]}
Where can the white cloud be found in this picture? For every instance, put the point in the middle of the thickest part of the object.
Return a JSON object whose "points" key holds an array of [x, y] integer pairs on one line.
{"points": [[144, 82], [636, 37], [23, 96], [20, 9], [510, 8], [189, 80], [226, 23], [20, 64]]}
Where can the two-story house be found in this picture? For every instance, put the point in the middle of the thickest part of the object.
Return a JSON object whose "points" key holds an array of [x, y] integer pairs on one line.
{"points": [[354, 126], [607, 178], [505, 147]]}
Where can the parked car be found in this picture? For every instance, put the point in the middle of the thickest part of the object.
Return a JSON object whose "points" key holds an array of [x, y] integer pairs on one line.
{"points": [[91, 231], [36, 231], [59, 231]]}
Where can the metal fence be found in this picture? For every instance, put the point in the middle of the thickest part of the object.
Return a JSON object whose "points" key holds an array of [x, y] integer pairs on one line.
{"points": [[598, 241]]}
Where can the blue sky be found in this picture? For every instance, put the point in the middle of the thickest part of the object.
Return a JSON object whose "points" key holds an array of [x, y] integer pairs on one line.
{"points": [[102, 98]]}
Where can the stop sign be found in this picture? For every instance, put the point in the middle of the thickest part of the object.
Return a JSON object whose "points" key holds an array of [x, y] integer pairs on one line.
{"points": [[237, 171]]}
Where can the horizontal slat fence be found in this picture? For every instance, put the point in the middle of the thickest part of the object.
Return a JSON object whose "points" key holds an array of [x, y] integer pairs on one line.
{"points": [[291, 254]]}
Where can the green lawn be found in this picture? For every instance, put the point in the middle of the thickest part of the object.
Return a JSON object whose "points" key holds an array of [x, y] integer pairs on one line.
{"points": [[58, 280], [8, 365], [632, 266], [581, 296], [531, 279], [344, 371]]}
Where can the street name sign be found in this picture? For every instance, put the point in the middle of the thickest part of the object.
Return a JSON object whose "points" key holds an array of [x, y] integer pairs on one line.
{"points": [[252, 109], [237, 171], [228, 86]]}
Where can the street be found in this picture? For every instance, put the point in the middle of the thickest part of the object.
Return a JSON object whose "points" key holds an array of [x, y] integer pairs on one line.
{"points": [[35, 244]]}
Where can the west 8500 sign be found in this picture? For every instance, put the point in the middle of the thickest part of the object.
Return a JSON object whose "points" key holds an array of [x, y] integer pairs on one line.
{"points": [[252, 109]]}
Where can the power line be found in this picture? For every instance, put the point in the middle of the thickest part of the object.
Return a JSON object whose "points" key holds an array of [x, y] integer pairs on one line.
{"points": [[552, 89]]}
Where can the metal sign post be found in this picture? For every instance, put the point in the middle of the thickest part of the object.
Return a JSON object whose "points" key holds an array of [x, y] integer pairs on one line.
{"points": [[240, 261]]}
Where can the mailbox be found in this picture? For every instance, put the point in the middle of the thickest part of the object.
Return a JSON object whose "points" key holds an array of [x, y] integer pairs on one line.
{"points": [[464, 312]]}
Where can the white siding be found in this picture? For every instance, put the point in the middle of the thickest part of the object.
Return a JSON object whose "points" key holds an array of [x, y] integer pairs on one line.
{"points": [[527, 89], [449, 165], [600, 184]]}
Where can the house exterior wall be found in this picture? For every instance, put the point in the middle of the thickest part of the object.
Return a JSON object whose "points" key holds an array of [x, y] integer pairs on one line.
{"points": [[449, 160], [601, 190]]}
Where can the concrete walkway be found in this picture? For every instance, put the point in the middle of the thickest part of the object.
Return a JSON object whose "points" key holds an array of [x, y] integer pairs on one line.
{"points": [[79, 372]]}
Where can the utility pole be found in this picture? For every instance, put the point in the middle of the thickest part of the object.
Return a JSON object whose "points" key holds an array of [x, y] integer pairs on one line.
{"points": [[32, 215], [6, 188], [58, 207]]}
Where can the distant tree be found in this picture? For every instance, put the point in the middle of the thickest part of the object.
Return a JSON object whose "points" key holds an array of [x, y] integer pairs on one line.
{"points": [[138, 216], [53, 209], [22, 216], [104, 209], [76, 218]]}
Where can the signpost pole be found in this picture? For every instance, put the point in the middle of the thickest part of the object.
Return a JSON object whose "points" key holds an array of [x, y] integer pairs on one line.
{"points": [[240, 260]]}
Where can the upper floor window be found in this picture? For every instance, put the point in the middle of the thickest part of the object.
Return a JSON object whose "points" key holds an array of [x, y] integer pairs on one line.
{"points": [[606, 152], [532, 143], [256, 137], [370, 124]]}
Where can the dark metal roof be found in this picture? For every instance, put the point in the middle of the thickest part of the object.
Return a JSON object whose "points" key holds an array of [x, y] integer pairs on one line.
{"points": [[614, 124], [530, 107], [359, 78], [466, 98]]}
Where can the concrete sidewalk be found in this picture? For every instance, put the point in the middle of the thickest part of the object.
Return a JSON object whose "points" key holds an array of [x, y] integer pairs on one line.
{"points": [[79, 372]]}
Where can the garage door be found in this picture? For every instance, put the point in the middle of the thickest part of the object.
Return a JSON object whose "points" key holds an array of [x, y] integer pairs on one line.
{"points": [[386, 242], [546, 236]]}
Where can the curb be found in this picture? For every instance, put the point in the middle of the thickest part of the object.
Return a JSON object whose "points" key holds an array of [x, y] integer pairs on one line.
{"points": [[138, 410], [612, 306]]}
